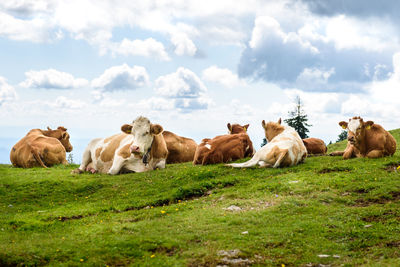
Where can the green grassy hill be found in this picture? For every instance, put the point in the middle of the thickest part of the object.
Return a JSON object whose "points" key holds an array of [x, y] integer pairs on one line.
{"points": [[325, 211]]}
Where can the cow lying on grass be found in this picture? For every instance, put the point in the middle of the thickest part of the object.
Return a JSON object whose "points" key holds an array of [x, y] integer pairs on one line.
{"points": [[180, 149], [139, 148], [284, 148], [366, 139], [41, 148], [315, 146], [225, 148]]}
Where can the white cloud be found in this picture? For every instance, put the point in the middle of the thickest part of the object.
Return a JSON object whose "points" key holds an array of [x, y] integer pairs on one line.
{"points": [[66, 103], [122, 77], [222, 76], [183, 44], [147, 48], [314, 79], [371, 35], [51, 79], [184, 89], [157, 103], [35, 30], [268, 29], [181, 84], [7, 92]]}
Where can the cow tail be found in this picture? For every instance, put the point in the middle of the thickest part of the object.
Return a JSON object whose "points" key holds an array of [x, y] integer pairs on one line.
{"points": [[252, 162], [37, 156]]}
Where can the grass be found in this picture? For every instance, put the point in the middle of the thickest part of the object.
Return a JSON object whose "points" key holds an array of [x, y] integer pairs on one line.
{"points": [[178, 216]]}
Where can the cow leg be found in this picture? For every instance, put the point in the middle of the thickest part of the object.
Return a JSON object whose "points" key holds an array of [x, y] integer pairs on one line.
{"points": [[348, 153], [281, 156], [336, 153], [264, 164], [160, 164], [118, 162], [86, 160], [375, 154], [37, 157]]}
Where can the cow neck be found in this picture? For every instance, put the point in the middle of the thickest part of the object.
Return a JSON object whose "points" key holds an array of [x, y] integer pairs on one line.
{"points": [[51, 133], [363, 146], [145, 158]]}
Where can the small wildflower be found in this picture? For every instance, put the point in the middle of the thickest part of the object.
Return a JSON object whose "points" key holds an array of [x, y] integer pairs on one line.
{"points": [[283, 265], [163, 211], [81, 260], [151, 207], [63, 238], [181, 200], [152, 256], [176, 209], [398, 167]]}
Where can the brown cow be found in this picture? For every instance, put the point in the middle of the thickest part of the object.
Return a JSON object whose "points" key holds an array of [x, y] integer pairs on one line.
{"points": [[41, 148], [366, 139], [180, 149], [315, 146], [225, 148]]}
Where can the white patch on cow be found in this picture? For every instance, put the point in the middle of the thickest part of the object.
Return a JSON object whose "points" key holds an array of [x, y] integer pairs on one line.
{"points": [[207, 146], [353, 125]]}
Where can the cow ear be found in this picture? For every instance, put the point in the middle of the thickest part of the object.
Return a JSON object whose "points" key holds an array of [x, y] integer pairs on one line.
{"points": [[156, 129], [246, 126], [64, 135], [229, 127], [343, 124], [279, 121], [126, 128], [368, 124], [263, 123], [49, 129]]}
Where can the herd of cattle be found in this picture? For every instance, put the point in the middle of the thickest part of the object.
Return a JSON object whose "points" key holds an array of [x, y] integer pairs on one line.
{"points": [[143, 146]]}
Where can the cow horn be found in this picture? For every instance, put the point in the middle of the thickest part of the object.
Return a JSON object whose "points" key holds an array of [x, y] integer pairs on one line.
{"points": [[48, 128]]}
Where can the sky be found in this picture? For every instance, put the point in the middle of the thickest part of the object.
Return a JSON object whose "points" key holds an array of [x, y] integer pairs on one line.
{"points": [[193, 66]]}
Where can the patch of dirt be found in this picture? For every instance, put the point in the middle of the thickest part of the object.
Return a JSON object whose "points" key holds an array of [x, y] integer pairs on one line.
{"points": [[393, 244], [335, 169], [164, 250], [74, 217], [232, 258], [361, 202], [392, 167]]}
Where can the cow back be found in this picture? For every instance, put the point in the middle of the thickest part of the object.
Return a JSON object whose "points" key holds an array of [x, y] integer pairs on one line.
{"points": [[180, 149]]}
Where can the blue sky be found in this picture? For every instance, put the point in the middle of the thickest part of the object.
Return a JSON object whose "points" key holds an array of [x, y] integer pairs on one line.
{"points": [[194, 66]]}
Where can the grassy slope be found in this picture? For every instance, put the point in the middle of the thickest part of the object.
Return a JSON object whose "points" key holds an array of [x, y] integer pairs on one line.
{"points": [[176, 216]]}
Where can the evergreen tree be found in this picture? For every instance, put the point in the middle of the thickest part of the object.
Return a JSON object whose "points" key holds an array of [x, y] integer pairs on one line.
{"points": [[264, 142], [342, 136], [298, 119]]}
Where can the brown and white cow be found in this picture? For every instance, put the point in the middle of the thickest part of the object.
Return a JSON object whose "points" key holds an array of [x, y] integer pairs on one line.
{"points": [[225, 148], [366, 139], [284, 148], [140, 147], [41, 148], [180, 149], [315, 145]]}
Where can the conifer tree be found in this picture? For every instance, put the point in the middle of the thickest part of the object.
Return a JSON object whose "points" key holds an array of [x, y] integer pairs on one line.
{"points": [[342, 136], [298, 119]]}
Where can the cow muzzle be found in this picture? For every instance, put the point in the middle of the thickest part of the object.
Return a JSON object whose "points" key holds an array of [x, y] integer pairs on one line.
{"points": [[134, 149]]}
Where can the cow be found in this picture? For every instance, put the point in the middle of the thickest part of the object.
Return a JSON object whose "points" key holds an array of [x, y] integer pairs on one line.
{"points": [[225, 148], [284, 148], [41, 148], [315, 146], [180, 149], [366, 139], [140, 147]]}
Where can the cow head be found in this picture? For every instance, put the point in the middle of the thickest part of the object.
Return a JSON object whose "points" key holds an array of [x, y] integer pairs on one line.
{"points": [[272, 129], [356, 128], [237, 128], [62, 136], [143, 134]]}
